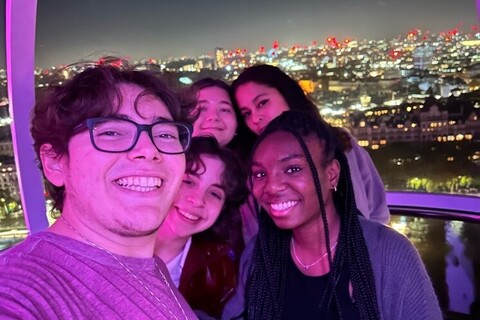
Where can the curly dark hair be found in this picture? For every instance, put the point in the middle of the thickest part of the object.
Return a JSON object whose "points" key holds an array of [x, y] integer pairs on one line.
{"points": [[267, 274], [227, 228], [91, 93]]}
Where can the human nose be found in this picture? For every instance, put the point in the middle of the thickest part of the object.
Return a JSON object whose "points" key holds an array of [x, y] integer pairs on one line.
{"points": [[195, 199], [212, 116], [257, 118], [274, 184], [145, 148]]}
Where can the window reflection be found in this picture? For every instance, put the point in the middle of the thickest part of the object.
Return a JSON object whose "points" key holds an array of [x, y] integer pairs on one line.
{"points": [[449, 249]]}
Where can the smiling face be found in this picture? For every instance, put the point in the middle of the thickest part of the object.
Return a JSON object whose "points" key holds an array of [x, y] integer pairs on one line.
{"points": [[216, 115], [124, 194], [283, 183], [259, 104], [199, 200]]}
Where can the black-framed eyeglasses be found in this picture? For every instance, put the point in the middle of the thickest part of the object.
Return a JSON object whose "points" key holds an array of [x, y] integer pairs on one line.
{"points": [[115, 135]]}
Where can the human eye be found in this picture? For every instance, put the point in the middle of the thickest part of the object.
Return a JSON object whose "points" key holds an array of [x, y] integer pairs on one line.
{"points": [[258, 174], [246, 114], [217, 194], [262, 103], [226, 110], [108, 133], [112, 129], [167, 136], [187, 180], [293, 169], [202, 107], [165, 132]]}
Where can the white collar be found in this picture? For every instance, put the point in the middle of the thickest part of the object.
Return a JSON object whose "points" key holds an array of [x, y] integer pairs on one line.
{"points": [[175, 266]]}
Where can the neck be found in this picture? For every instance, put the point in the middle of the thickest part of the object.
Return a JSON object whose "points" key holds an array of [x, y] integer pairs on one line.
{"points": [[312, 235], [69, 225], [309, 245], [168, 245]]}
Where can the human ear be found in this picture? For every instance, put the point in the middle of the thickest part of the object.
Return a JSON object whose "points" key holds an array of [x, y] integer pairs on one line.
{"points": [[333, 173], [52, 164]]}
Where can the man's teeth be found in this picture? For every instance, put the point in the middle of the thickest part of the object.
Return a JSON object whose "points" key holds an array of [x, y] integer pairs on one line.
{"points": [[283, 205], [141, 184], [188, 215]]}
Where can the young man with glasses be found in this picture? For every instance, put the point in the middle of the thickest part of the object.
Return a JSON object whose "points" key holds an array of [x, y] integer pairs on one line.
{"points": [[110, 143]]}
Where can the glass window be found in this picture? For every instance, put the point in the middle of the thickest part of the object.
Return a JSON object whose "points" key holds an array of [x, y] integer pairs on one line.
{"points": [[402, 75], [449, 249]]}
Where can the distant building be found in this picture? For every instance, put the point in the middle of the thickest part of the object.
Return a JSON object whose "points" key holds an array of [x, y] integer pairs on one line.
{"points": [[9, 180], [431, 122], [423, 57], [219, 59], [6, 149]]}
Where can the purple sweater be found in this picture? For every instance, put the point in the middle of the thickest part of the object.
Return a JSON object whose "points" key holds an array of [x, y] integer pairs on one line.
{"points": [[49, 276]]}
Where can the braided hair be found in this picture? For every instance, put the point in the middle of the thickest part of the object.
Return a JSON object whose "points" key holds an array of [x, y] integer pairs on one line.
{"points": [[265, 287]]}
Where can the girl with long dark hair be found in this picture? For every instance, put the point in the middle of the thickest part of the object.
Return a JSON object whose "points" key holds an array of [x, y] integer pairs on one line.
{"points": [[315, 256]]}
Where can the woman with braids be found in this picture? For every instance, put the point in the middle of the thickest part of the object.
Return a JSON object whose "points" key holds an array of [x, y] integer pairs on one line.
{"points": [[314, 256], [263, 92], [201, 239]]}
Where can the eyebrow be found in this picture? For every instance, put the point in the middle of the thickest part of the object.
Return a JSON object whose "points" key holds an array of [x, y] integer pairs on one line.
{"points": [[217, 185], [284, 159], [259, 96], [124, 116], [221, 101]]}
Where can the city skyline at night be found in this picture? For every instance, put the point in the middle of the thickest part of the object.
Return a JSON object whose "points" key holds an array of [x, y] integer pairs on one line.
{"points": [[69, 31]]}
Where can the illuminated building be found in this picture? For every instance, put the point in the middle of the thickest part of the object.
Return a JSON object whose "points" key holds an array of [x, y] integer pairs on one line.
{"points": [[422, 57], [431, 122], [219, 59]]}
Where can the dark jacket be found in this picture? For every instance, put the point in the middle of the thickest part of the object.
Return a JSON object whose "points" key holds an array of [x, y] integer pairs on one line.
{"points": [[209, 276]]}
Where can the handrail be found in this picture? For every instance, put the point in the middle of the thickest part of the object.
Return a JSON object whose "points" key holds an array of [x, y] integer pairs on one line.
{"points": [[451, 206]]}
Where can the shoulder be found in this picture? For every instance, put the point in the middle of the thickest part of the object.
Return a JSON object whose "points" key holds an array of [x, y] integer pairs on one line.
{"points": [[394, 258], [403, 285], [34, 256], [387, 247], [29, 248], [379, 236], [25, 274]]}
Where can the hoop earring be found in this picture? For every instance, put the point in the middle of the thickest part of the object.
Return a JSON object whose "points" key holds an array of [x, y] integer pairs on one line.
{"points": [[335, 189]]}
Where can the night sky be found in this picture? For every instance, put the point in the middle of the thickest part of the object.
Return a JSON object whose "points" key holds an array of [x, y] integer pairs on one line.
{"points": [[72, 30]]}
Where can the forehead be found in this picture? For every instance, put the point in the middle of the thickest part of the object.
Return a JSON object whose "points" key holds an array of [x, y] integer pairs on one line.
{"points": [[213, 93], [136, 103], [252, 89], [281, 145], [214, 168]]}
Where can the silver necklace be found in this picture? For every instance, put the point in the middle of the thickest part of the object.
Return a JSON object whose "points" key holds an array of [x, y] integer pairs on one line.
{"points": [[308, 266], [164, 278]]}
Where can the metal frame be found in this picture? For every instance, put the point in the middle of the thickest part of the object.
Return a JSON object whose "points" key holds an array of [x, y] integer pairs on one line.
{"points": [[450, 206], [20, 19]]}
